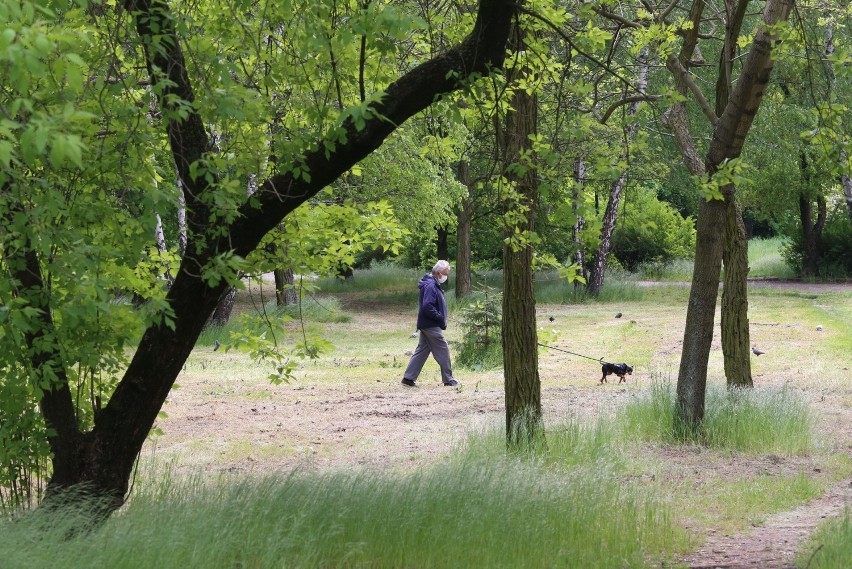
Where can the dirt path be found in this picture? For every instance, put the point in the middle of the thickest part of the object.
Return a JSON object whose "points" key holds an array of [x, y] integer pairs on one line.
{"points": [[774, 544]]}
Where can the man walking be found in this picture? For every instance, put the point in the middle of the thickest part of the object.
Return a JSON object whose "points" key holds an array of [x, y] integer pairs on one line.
{"points": [[431, 320]]}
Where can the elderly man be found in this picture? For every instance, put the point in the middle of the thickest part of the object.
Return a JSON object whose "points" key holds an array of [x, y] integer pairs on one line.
{"points": [[431, 320]]}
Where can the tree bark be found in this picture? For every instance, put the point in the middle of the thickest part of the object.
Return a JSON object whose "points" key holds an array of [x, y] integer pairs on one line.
{"points": [[104, 458], [520, 337], [463, 232], [285, 287], [735, 330], [222, 312], [811, 233], [576, 202], [442, 242]]}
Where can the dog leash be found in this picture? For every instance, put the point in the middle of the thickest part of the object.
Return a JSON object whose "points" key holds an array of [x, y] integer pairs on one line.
{"points": [[601, 360]]}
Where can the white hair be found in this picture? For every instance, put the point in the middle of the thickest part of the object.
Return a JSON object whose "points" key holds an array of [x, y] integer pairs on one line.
{"points": [[440, 266]]}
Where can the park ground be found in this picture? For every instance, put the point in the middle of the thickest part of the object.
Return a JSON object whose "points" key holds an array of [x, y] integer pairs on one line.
{"points": [[348, 409]]}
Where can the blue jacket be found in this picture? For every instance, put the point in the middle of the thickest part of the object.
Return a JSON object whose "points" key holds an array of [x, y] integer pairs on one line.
{"points": [[433, 307]]}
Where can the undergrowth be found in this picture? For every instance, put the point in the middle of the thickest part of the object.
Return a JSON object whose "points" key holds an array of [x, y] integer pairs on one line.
{"points": [[757, 420]]}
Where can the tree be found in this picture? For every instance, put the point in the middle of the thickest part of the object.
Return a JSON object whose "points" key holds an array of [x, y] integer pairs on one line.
{"points": [[519, 334], [729, 133], [103, 457]]}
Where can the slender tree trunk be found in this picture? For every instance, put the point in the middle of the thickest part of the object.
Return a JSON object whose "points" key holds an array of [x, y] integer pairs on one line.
{"points": [[285, 287], [181, 220], [577, 201], [520, 338], [845, 179], [597, 270], [730, 131], [160, 238], [735, 329], [442, 242], [698, 332], [463, 231], [811, 233]]}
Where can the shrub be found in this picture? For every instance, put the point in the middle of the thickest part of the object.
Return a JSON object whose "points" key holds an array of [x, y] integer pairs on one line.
{"points": [[482, 346], [652, 232]]}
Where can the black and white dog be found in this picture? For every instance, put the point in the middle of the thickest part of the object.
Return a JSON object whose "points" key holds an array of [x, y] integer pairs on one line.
{"points": [[618, 369]]}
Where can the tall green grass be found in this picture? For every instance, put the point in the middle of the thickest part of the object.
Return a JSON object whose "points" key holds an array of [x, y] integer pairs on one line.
{"points": [[758, 420], [831, 546], [465, 513], [765, 260]]}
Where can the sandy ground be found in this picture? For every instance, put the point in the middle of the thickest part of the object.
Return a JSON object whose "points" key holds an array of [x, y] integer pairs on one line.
{"points": [[385, 425]]}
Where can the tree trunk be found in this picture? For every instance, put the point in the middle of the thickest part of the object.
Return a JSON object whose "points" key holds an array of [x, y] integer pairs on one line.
{"points": [[597, 270], [811, 233], [103, 459], [285, 287], [223, 310], [520, 337], [463, 230], [729, 136], [846, 181], [160, 238], [735, 330], [577, 201], [442, 243], [698, 332]]}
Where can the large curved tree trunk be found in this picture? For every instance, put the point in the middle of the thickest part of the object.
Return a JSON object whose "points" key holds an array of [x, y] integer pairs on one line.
{"points": [[103, 458], [735, 330]]}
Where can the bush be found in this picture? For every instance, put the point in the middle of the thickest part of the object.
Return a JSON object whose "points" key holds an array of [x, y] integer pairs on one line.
{"points": [[652, 232]]}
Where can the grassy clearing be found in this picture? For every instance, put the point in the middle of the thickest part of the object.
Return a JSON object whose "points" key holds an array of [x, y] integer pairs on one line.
{"points": [[735, 504], [598, 496]]}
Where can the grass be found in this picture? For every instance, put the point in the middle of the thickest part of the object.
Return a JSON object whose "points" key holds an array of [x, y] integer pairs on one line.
{"points": [[738, 503], [765, 261], [760, 420], [486, 512], [830, 547]]}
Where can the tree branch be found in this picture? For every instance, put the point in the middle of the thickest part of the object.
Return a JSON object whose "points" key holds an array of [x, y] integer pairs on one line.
{"points": [[676, 67], [626, 101], [126, 420], [736, 120]]}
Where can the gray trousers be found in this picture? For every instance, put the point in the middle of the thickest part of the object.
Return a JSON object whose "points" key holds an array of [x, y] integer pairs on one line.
{"points": [[431, 341]]}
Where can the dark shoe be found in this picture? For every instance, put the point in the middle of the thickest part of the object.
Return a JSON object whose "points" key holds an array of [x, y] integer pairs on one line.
{"points": [[408, 382], [451, 383]]}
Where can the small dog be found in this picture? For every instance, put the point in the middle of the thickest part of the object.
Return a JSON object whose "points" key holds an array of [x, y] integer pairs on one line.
{"points": [[618, 369]]}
